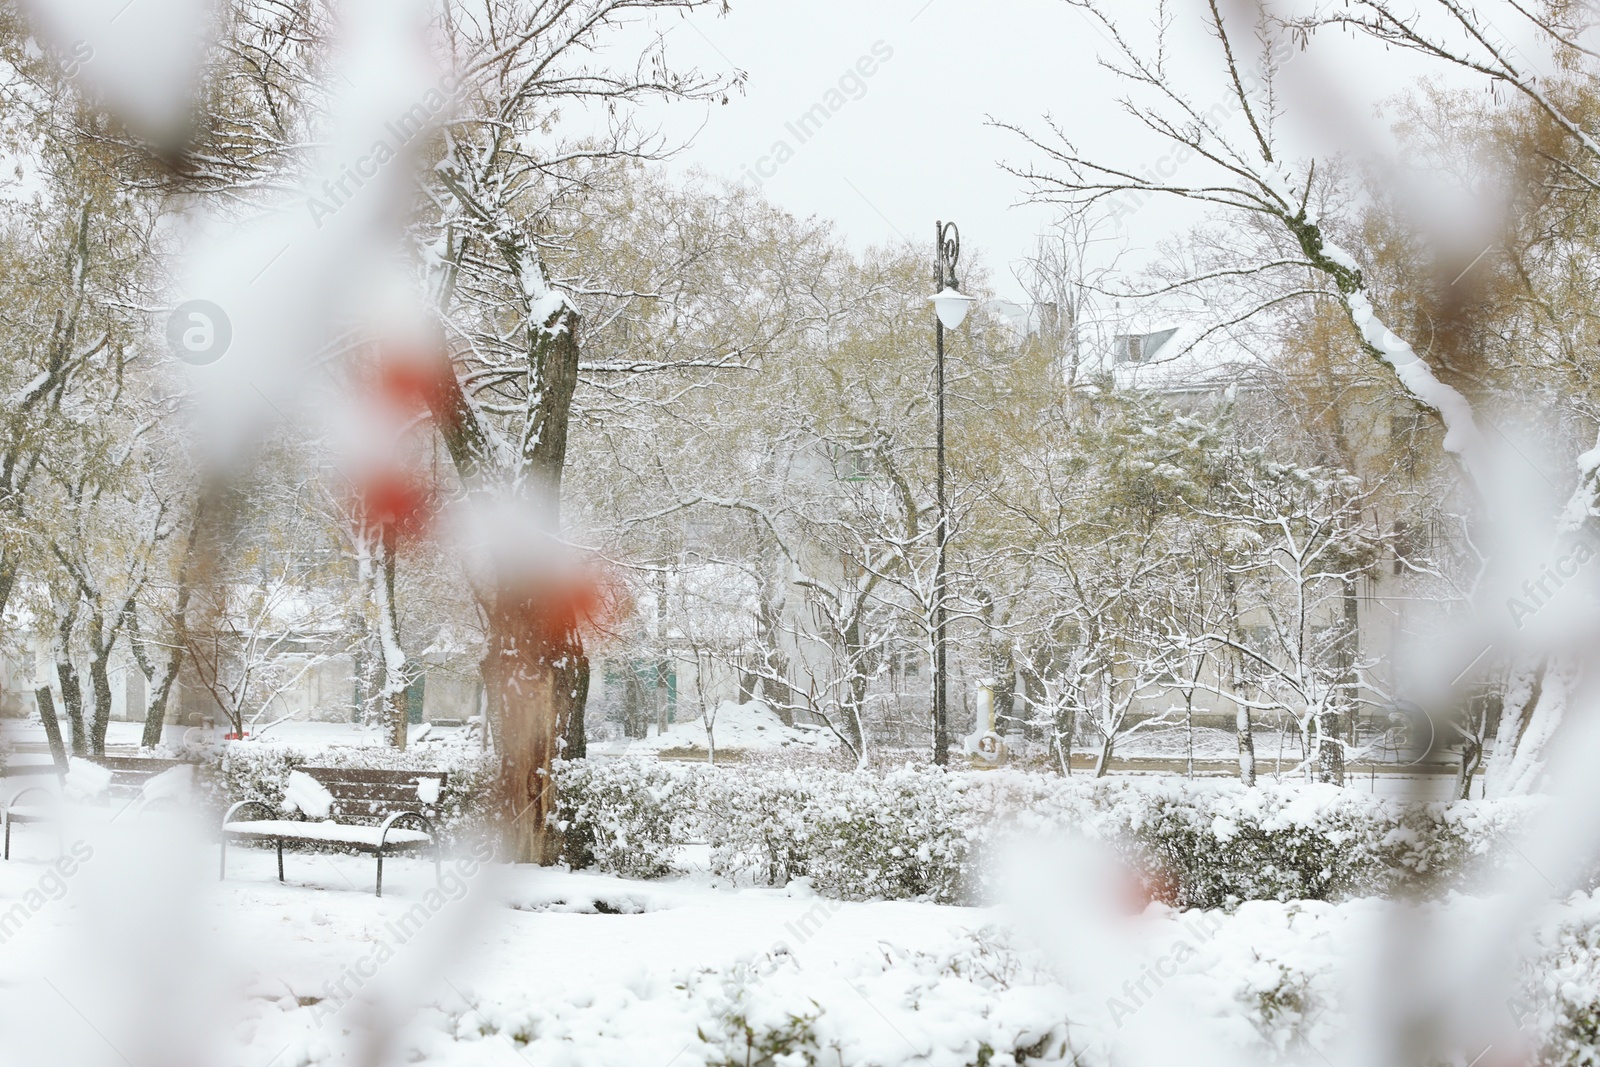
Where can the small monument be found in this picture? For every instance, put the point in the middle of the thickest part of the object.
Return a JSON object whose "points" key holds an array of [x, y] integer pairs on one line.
{"points": [[983, 745]]}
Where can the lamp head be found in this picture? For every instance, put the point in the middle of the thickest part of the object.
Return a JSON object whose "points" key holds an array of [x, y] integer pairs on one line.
{"points": [[951, 306]]}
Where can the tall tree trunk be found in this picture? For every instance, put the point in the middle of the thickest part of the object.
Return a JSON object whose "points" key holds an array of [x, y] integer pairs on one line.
{"points": [[530, 673], [395, 673], [1066, 730], [661, 697], [532, 662], [100, 685], [8, 577], [1241, 718], [577, 746], [1471, 759], [633, 724], [1247, 744], [155, 716], [52, 726], [1532, 709], [1102, 763], [1330, 748], [531, 666], [72, 701]]}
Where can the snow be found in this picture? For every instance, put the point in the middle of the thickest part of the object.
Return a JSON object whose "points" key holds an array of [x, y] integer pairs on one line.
{"points": [[307, 795], [87, 779], [749, 727], [174, 783], [1461, 430], [565, 968], [331, 832]]}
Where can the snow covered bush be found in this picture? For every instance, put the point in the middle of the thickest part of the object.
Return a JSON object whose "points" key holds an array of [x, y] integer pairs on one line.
{"points": [[902, 835], [913, 833], [628, 817]]}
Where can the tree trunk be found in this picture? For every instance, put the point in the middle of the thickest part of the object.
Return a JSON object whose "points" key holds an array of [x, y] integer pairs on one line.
{"points": [[72, 700], [1064, 737], [1471, 759], [155, 716], [1330, 749], [530, 674], [1247, 745], [531, 666], [1102, 763], [395, 673], [52, 726], [1241, 721], [1513, 769], [100, 685], [661, 697], [633, 725], [1188, 735], [100, 644], [577, 740]]}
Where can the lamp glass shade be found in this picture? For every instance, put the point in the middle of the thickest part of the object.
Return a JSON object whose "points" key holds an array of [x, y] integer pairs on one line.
{"points": [[951, 307]]}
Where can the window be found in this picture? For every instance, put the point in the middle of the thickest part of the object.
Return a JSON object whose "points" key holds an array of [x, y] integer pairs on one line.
{"points": [[853, 462], [1139, 347]]}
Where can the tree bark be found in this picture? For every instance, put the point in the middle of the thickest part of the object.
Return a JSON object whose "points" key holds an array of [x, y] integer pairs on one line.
{"points": [[1330, 749], [577, 741], [100, 683], [1471, 759], [531, 673], [1247, 745], [395, 708], [531, 667], [72, 700], [1102, 764], [155, 716], [52, 726]]}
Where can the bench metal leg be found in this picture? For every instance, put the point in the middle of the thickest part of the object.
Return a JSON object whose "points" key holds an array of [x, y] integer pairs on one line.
{"points": [[222, 869], [280, 859], [8, 839], [380, 874]]}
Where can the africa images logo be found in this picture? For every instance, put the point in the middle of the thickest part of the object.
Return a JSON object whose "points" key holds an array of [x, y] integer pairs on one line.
{"points": [[199, 332]]}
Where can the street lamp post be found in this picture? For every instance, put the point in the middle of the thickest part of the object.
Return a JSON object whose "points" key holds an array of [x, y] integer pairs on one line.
{"points": [[950, 308]]}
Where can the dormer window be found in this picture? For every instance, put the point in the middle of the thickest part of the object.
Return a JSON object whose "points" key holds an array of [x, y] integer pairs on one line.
{"points": [[1138, 347]]}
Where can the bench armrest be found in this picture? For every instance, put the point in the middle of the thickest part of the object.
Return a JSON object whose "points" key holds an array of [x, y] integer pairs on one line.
{"points": [[427, 827], [226, 819], [19, 794]]}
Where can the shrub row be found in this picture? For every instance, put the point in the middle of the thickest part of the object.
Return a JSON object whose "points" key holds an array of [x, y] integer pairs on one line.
{"points": [[915, 833]]}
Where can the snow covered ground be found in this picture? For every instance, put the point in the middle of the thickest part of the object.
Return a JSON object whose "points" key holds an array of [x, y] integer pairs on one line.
{"points": [[751, 727], [130, 951]]}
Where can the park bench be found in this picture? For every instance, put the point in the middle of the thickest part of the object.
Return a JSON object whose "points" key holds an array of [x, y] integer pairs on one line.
{"points": [[34, 797], [365, 810], [19, 781]]}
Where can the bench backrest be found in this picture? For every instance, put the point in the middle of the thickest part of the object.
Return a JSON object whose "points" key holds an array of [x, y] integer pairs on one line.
{"points": [[361, 795], [27, 770], [130, 773]]}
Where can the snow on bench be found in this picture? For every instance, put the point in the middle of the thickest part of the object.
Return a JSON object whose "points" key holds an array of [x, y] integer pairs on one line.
{"points": [[343, 806]]}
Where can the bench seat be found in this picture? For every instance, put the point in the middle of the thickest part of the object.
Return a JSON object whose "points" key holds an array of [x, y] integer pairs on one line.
{"points": [[345, 806], [368, 837]]}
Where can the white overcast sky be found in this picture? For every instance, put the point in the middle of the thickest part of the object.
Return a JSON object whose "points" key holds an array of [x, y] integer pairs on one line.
{"points": [[915, 146]]}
